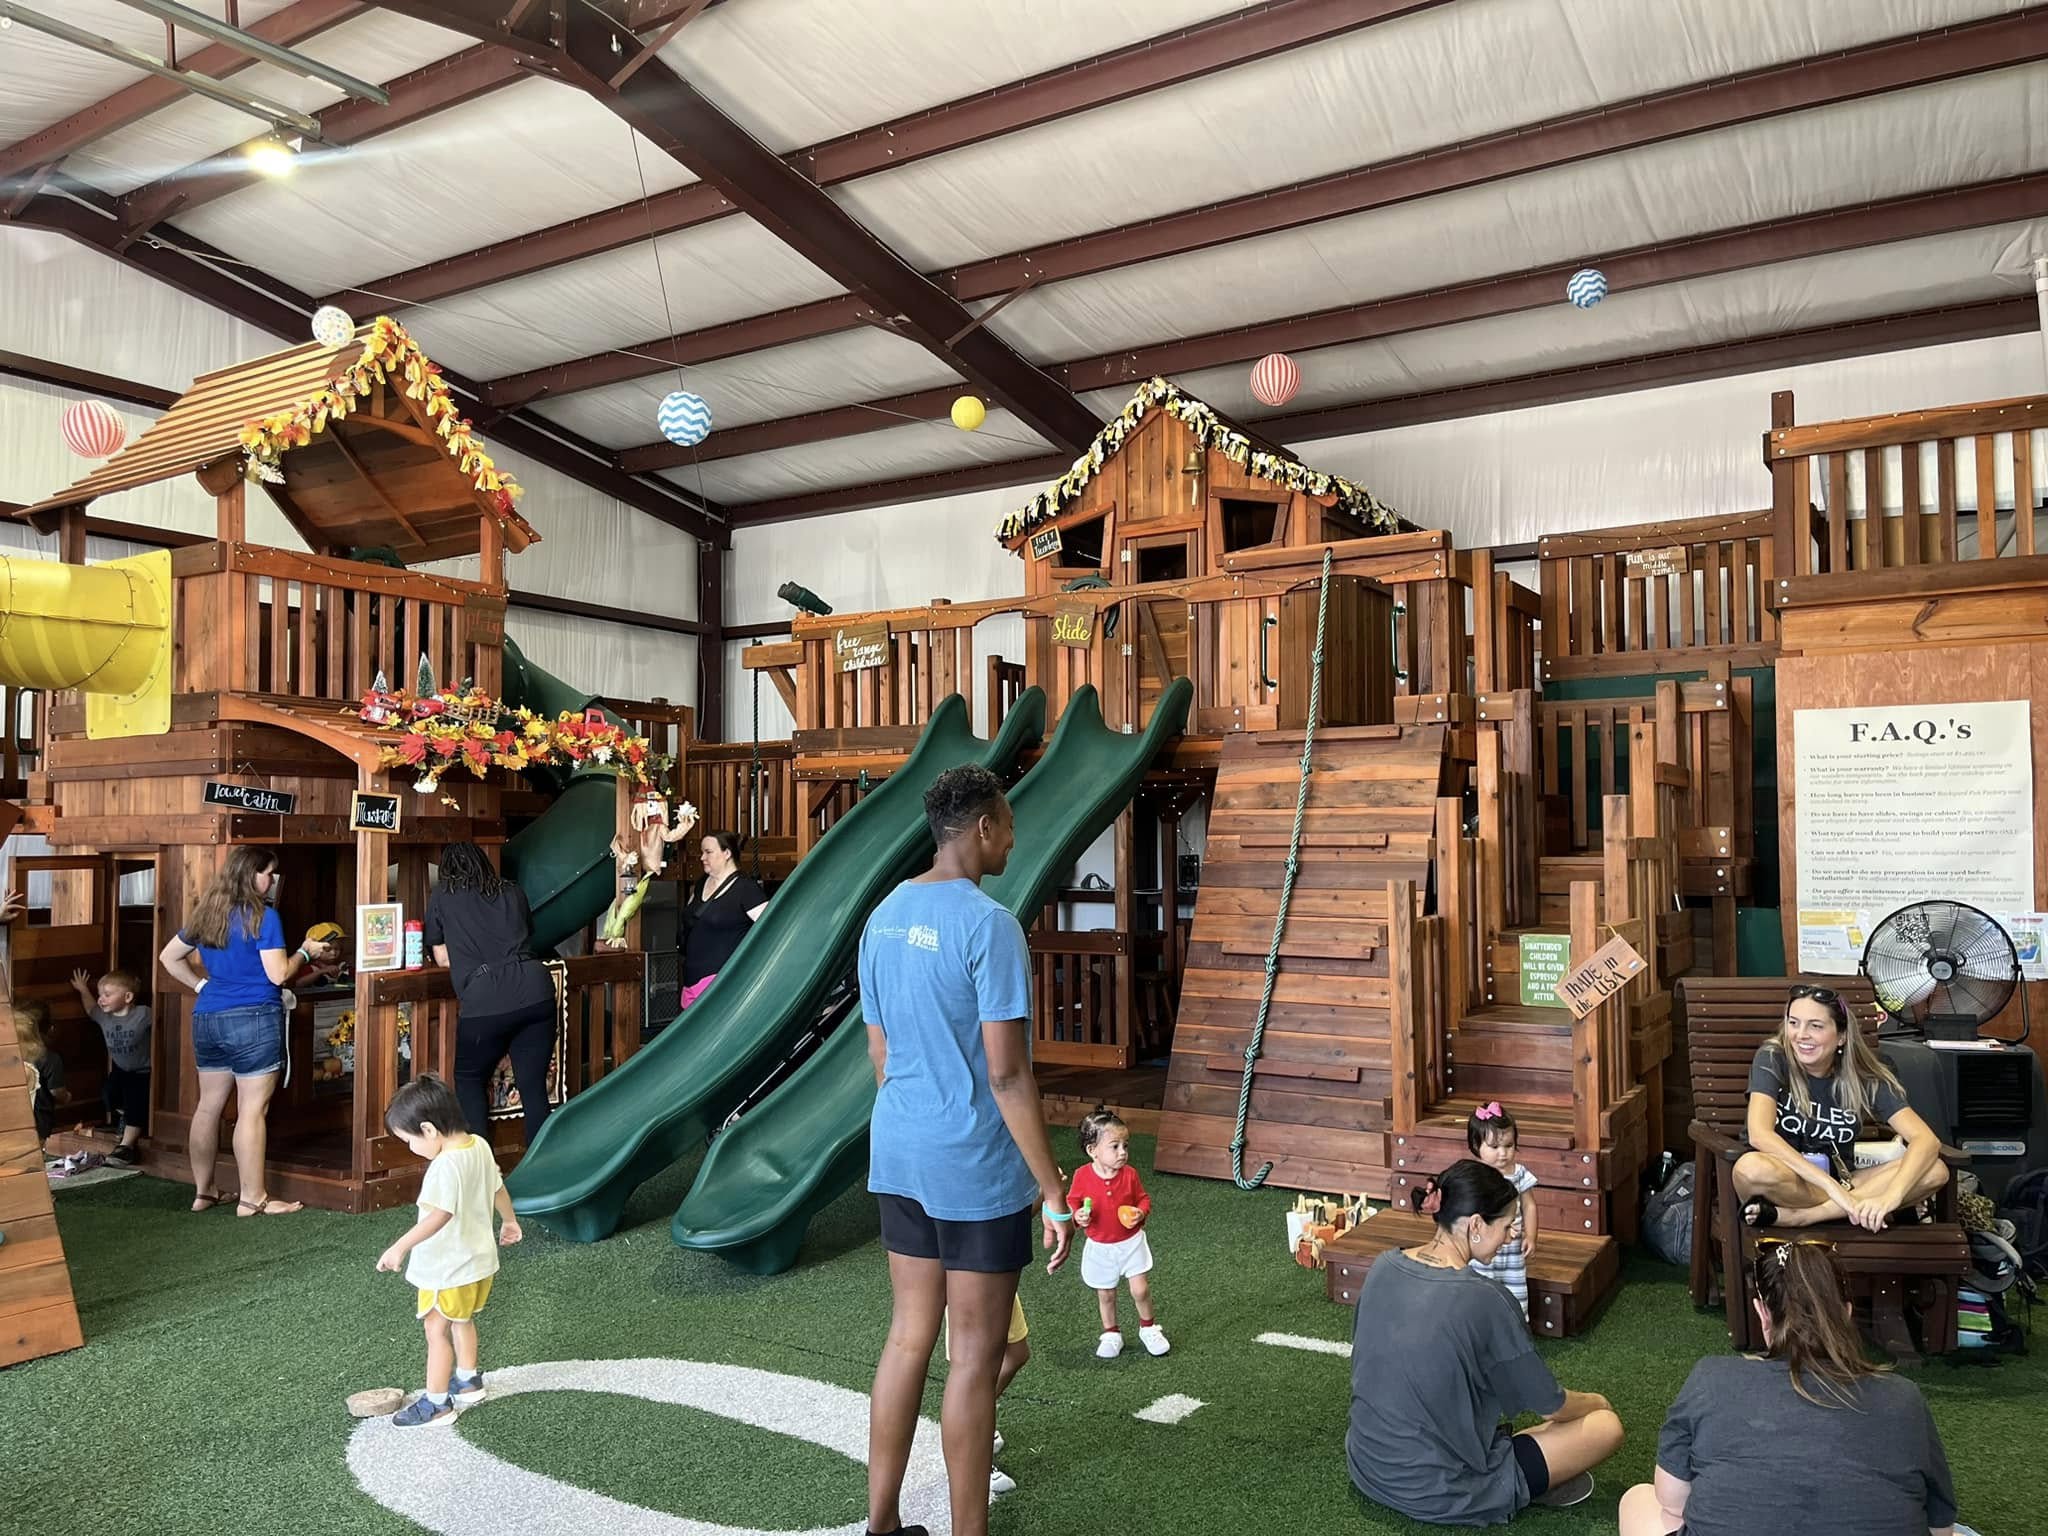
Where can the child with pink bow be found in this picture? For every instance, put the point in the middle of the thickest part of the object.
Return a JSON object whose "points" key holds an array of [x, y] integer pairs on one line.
{"points": [[1494, 1139]]}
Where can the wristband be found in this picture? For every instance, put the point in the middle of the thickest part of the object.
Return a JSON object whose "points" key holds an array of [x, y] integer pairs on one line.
{"points": [[1053, 1215]]}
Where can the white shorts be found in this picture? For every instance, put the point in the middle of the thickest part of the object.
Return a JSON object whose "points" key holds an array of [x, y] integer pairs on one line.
{"points": [[1103, 1264]]}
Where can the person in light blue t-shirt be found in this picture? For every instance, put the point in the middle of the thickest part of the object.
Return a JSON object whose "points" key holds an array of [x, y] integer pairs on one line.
{"points": [[959, 1153]]}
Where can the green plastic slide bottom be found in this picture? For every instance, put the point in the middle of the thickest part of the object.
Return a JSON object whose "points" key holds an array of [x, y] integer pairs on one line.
{"points": [[798, 1150], [603, 1143]]}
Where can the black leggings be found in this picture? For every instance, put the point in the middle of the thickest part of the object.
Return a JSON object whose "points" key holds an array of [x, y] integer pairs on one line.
{"points": [[528, 1037]]}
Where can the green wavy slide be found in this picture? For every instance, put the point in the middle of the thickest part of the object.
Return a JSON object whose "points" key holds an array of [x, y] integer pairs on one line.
{"points": [[807, 1142], [607, 1140]]}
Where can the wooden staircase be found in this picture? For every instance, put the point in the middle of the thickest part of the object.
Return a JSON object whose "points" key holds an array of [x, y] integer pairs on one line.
{"points": [[37, 1314]]}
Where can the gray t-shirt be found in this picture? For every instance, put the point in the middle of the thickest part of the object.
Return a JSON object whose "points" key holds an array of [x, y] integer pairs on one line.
{"points": [[1831, 1125], [127, 1035], [1754, 1449], [1439, 1357]]}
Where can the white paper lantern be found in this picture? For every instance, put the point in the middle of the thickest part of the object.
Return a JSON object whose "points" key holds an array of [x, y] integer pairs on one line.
{"points": [[684, 418], [332, 325]]}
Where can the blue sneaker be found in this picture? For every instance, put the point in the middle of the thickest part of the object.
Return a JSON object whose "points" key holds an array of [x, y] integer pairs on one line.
{"points": [[467, 1389], [424, 1410]]}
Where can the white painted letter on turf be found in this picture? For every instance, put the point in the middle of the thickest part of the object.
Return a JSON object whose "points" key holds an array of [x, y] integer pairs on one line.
{"points": [[444, 1483]]}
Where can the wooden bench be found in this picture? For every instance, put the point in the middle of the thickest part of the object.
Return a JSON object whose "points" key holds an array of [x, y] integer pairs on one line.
{"points": [[1570, 1278], [1725, 1019]]}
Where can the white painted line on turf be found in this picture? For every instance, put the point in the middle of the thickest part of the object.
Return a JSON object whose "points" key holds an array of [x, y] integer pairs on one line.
{"points": [[1302, 1341], [440, 1480], [1170, 1409]]}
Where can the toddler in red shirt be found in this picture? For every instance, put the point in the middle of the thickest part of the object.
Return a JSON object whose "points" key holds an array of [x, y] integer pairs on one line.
{"points": [[1111, 1208]]}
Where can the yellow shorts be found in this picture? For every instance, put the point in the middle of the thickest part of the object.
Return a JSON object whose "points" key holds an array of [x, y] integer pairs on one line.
{"points": [[459, 1303], [1019, 1329]]}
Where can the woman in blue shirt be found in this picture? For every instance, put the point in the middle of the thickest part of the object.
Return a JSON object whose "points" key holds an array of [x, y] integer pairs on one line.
{"points": [[237, 1020]]}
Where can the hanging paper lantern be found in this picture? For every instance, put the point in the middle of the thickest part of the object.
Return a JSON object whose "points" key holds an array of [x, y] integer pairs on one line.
{"points": [[332, 325], [92, 430], [1275, 378], [1588, 286], [969, 413], [685, 418]]}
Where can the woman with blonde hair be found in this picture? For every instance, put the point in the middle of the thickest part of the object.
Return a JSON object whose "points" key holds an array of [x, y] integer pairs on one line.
{"points": [[1809, 1426], [238, 1041], [1812, 1087]]}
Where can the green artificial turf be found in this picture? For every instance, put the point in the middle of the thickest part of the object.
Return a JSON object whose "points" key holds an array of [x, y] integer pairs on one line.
{"points": [[209, 1394]]}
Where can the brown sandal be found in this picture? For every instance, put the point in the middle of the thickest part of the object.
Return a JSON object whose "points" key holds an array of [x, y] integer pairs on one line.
{"points": [[268, 1207], [205, 1202]]}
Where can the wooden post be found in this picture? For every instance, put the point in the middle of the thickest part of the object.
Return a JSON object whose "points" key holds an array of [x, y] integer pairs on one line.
{"points": [[1587, 1086], [1451, 897], [1405, 1015], [376, 1075], [1788, 531], [1494, 836], [1489, 616], [710, 720]]}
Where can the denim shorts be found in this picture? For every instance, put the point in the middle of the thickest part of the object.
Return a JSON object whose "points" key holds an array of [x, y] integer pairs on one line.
{"points": [[248, 1042]]}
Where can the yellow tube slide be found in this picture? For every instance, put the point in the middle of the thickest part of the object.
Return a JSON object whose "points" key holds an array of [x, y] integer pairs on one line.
{"points": [[104, 630]]}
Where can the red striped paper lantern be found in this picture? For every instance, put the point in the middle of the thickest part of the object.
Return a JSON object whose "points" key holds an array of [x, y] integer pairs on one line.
{"points": [[92, 430], [1275, 378]]}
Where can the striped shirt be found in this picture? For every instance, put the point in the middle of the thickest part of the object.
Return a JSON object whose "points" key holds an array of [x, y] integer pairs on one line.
{"points": [[1510, 1266]]}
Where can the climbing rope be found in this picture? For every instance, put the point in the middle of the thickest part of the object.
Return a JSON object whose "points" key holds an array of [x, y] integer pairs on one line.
{"points": [[754, 784], [1258, 1040]]}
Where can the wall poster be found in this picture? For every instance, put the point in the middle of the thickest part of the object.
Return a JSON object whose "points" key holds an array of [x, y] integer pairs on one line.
{"points": [[1898, 804]]}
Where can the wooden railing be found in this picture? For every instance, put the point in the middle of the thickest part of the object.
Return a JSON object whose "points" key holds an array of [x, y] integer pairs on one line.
{"points": [[1006, 680], [715, 780], [1083, 1000], [268, 621], [668, 729], [1935, 487], [606, 994], [24, 719], [1661, 597], [1503, 625]]}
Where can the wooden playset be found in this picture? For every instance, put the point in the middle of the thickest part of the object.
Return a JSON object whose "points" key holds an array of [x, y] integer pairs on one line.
{"points": [[265, 658]]}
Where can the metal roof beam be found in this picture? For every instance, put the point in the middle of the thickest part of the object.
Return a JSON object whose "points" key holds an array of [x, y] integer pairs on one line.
{"points": [[1845, 229], [296, 23], [1861, 338], [671, 114], [1895, 65], [1256, 32]]}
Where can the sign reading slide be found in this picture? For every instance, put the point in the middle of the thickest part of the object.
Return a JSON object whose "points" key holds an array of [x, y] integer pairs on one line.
{"points": [[1898, 804], [1045, 543], [1669, 561], [247, 797], [860, 647], [1545, 959], [1607, 970], [1072, 624], [372, 813]]}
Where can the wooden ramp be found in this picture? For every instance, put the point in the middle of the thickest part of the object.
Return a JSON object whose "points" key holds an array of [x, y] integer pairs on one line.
{"points": [[1321, 1091], [1570, 1278], [37, 1314]]}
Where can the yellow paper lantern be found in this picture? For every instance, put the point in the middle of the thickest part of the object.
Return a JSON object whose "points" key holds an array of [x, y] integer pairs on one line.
{"points": [[969, 413]]}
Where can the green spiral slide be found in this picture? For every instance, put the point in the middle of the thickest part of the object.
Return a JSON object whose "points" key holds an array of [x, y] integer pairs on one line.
{"points": [[807, 1142], [603, 1143]]}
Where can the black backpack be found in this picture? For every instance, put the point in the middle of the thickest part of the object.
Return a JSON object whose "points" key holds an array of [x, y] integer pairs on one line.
{"points": [[2026, 1207]]}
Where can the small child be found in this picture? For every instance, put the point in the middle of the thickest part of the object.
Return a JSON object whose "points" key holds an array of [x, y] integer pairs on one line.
{"points": [[453, 1257], [1493, 1137], [124, 1024], [1016, 1354], [45, 1066], [1111, 1208]]}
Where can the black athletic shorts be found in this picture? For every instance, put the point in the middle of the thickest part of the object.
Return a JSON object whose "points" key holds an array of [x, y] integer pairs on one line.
{"points": [[1535, 1470], [1000, 1245]]}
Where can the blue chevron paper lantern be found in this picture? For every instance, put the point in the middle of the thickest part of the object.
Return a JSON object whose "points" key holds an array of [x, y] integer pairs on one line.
{"points": [[685, 418], [1588, 286]]}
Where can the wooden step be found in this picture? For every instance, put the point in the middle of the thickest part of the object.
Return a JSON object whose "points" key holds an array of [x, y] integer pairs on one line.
{"points": [[1571, 1275]]}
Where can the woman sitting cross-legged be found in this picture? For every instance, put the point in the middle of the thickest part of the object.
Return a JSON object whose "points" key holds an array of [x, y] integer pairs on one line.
{"points": [[1810, 1089], [1441, 1356], [1809, 1434]]}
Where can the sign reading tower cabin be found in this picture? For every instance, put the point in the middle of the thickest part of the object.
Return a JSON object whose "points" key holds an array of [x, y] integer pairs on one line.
{"points": [[860, 647], [249, 797]]}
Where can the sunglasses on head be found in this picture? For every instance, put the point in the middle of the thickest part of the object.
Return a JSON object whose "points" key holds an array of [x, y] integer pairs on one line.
{"points": [[1819, 994], [1779, 1249]]}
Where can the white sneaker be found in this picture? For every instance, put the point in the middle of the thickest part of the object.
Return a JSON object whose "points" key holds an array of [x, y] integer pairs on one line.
{"points": [[999, 1481], [999, 1444], [1154, 1339], [1109, 1346]]}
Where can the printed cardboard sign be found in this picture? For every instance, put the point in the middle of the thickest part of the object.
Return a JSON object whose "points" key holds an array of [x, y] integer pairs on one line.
{"points": [[247, 797], [1545, 959], [1668, 561], [1607, 970], [1045, 543], [1072, 624], [860, 647], [372, 813]]}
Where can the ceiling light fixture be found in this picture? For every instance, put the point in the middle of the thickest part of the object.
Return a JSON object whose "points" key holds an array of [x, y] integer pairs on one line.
{"points": [[270, 156]]}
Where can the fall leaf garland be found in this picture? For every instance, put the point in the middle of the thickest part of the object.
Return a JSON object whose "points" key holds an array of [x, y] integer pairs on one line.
{"points": [[388, 355], [466, 728]]}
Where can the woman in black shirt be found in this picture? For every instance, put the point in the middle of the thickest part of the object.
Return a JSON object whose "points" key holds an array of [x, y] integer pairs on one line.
{"points": [[479, 926], [720, 912]]}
